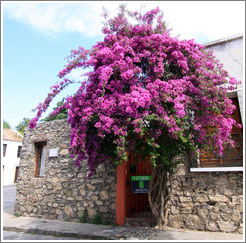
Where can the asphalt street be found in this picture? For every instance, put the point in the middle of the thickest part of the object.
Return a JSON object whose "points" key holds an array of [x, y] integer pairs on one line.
{"points": [[9, 199], [10, 235]]}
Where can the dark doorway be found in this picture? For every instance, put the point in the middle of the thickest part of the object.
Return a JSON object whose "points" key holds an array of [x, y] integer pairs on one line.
{"points": [[138, 175]]}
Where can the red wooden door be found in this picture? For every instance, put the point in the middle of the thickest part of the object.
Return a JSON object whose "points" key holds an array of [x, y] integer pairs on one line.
{"points": [[137, 203]]}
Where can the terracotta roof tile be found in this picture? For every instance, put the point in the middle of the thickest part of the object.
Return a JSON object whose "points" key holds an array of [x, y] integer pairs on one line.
{"points": [[11, 135]]}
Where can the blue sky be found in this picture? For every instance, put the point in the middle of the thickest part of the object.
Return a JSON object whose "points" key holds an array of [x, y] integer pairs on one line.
{"points": [[37, 36]]}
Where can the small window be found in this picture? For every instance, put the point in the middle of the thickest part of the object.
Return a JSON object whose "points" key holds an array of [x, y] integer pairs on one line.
{"points": [[40, 158], [16, 173], [19, 151], [4, 149]]}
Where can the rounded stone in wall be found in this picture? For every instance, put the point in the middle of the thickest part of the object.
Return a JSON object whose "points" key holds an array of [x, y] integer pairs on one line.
{"points": [[214, 216], [218, 198], [203, 214], [58, 212], [91, 212], [51, 217], [82, 191], [194, 222], [64, 152], [101, 168], [236, 217], [103, 209], [91, 187], [99, 202], [176, 224], [201, 198], [94, 198], [211, 226], [227, 226], [54, 180], [69, 211], [103, 195], [113, 206]]}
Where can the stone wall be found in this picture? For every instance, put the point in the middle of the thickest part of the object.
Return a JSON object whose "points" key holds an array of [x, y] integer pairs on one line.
{"points": [[208, 201], [64, 192]]}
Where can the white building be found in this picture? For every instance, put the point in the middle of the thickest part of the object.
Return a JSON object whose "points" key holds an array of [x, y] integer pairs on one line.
{"points": [[230, 52], [12, 144]]}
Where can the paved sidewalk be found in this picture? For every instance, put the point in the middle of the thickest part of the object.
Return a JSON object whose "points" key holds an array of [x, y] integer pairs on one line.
{"points": [[106, 232]]}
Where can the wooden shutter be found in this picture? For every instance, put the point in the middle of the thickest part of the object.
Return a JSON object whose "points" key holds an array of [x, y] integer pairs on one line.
{"points": [[232, 156]]}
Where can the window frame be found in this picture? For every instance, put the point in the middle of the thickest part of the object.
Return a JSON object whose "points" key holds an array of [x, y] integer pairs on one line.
{"points": [[216, 169], [40, 154], [195, 165]]}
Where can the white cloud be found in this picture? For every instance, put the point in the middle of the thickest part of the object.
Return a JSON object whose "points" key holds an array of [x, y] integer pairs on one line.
{"points": [[78, 74], [201, 20], [55, 18]]}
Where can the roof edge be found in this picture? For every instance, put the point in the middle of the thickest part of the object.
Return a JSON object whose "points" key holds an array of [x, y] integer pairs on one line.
{"points": [[13, 136], [223, 40]]}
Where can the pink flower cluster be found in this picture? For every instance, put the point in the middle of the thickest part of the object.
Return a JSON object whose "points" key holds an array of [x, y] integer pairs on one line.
{"points": [[42, 107], [144, 84]]}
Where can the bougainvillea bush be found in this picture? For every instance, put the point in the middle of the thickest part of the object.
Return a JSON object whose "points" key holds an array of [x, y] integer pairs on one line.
{"points": [[147, 92]]}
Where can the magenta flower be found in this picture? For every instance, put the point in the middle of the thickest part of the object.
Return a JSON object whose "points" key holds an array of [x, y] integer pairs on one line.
{"points": [[144, 85]]}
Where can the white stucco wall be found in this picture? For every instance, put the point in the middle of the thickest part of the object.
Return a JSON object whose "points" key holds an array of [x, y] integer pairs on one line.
{"points": [[10, 161], [230, 52]]}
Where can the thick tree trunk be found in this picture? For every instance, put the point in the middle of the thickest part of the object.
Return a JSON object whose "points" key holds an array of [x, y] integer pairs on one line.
{"points": [[160, 188]]}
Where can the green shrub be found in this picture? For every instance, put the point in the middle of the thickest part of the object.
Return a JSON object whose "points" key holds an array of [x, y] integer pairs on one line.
{"points": [[84, 217], [106, 222], [96, 219]]}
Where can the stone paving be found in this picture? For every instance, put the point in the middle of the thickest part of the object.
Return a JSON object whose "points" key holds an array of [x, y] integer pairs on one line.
{"points": [[133, 233]]}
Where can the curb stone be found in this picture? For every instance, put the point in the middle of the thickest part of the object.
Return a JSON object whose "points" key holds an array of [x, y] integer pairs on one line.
{"points": [[100, 232], [58, 234]]}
